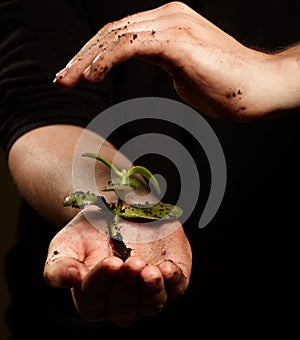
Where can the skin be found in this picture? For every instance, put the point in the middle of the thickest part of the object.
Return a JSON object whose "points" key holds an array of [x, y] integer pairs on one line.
{"points": [[211, 71], [103, 286], [79, 256]]}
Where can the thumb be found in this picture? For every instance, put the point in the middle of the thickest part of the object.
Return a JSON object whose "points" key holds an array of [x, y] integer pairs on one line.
{"points": [[64, 272]]}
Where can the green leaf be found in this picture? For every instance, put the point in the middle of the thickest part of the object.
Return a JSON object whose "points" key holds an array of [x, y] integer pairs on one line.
{"points": [[145, 173], [116, 184], [152, 212], [80, 199]]}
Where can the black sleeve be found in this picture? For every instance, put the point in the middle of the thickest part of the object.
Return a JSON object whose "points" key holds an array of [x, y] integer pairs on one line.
{"points": [[37, 39]]}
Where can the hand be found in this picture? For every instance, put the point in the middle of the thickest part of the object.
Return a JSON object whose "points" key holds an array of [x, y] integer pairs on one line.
{"points": [[211, 71], [106, 288]]}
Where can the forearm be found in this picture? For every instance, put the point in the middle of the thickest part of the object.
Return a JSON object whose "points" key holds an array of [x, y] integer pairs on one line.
{"points": [[287, 90], [260, 85], [211, 71], [41, 165], [265, 85]]}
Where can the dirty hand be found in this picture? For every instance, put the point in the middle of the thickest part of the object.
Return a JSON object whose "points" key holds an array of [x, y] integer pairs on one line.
{"points": [[211, 71], [106, 288]]}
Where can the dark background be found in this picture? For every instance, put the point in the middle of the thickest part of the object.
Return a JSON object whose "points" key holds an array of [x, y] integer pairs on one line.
{"points": [[261, 160], [9, 203]]}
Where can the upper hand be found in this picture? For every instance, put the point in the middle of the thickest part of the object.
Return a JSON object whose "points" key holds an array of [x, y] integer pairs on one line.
{"points": [[106, 288], [211, 71]]}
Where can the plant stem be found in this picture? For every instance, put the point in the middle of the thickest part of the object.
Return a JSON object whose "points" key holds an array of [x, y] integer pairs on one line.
{"points": [[119, 247], [114, 226]]}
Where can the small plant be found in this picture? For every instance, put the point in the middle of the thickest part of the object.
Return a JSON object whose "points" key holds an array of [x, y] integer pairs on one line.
{"points": [[123, 183]]}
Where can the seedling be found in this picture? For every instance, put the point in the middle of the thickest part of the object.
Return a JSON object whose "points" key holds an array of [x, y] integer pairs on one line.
{"points": [[123, 183]]}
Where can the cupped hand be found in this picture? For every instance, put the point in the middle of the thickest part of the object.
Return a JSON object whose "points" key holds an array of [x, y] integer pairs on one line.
{"points": [[211, 70], [106, 288]]}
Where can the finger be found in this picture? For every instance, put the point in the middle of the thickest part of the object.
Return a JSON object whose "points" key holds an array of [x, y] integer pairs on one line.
{"points": [[147, 45], [124, 296], [92, 298], [90, 53], [62, 267], [72, 73], [163, 42], [153, 295], [62, 271], [175, 281]]}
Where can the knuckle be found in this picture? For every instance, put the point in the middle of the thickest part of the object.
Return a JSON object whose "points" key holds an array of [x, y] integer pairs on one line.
{"points": [[175, 6]]}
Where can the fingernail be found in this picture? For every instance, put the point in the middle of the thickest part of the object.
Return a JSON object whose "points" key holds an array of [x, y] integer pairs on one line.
{"points": [[87, 71], [61, 73]]}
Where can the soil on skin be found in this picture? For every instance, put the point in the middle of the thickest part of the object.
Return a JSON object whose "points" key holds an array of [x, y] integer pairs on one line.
{"points": [[120, 249]]}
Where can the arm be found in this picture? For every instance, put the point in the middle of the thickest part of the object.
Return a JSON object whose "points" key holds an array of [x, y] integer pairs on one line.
{"points": [[41, 164], [39, 131], [79, 256], [211, 71]]}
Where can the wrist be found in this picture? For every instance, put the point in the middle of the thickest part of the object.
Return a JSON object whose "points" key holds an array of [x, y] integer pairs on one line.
{"points": [[270, 86], [282, 83], [289, 72]]}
